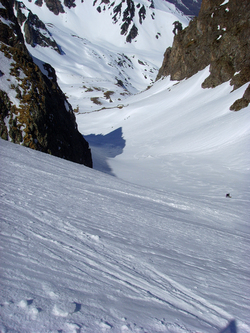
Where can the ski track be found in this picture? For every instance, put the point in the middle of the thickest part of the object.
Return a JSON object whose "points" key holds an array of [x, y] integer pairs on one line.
{"points": [[70, 250], [85, 252]]}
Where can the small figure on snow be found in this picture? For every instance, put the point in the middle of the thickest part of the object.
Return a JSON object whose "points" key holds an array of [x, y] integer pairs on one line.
{"points": [[228, 195], [177, 27]]}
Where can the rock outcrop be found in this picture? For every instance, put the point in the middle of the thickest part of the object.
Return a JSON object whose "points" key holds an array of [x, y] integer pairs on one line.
{"points": [[55, 6], [127, 10], [219, 37], [34, 111], [35, 31]]}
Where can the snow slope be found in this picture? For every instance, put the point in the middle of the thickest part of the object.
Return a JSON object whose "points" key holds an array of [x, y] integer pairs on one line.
{"points": [[150, 244], [175, 136], [82, 251]]}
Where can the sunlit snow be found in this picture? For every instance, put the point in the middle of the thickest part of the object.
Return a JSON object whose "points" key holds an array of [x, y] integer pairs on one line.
{"points": [[147, 241], [86, 252], [95, 55]]}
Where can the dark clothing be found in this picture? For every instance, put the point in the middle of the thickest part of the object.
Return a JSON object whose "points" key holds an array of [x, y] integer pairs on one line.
{"points": [[177, 27]]}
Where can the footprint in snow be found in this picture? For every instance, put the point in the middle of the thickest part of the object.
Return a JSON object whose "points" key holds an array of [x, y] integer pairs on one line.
{"points": [[28, 306], [105, 325]]}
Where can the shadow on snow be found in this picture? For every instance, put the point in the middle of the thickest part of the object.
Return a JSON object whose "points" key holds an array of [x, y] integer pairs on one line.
{"points": [[104, 147]]}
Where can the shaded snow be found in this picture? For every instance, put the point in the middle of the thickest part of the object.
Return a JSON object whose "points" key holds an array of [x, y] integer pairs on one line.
{"points": [[176, 136], [84, 250]]}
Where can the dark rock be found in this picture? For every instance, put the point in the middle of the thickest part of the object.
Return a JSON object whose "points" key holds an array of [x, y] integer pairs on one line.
{"points": [[54, 6], [127, 17], [43, 119], [51, 73], [21, 17], [12, 37], [219, 37], [36, 33], [242, 102], [69, 3], [152, 4], [142, 14], [117, 12], [132, 33], [35, 30], [125, 11], [5, 106], [241, 77], [39, 3]]}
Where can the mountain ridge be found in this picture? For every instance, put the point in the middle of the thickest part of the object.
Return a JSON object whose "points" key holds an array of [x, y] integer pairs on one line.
{"points": [[219, 38]]}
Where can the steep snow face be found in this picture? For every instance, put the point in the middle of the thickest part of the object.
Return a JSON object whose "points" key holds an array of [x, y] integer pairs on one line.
{"points": [[155, 248], [111, 22], [171, 135], [82, 251]]}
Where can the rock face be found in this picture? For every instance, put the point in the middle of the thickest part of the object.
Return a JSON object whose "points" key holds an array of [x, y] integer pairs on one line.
{"points": [[35, 30], [54, 6], [34, 111], [218, 37], [128, 11]]}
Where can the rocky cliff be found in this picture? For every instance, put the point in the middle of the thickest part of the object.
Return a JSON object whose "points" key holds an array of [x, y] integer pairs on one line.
{"points": [[34, 111], [220, 38], [35, 31]]}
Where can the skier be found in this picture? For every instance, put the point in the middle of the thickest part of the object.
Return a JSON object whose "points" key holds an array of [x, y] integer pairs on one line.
{"points": [[177, 27], [228, 195]]}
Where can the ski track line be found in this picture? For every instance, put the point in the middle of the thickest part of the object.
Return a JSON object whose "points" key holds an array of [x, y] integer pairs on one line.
{"points": [[173, 296]]}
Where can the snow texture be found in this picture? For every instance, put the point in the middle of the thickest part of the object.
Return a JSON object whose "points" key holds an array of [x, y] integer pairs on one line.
{"points": [[82, 251], [147, 241]]}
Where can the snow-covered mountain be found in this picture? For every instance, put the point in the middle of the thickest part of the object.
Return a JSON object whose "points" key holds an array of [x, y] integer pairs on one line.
{"points": [[97, 51], [150, 243]]}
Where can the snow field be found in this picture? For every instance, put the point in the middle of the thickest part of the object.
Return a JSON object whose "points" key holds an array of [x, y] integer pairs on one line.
{"points": [[83, 251], [156, 247], [176, 136]]}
